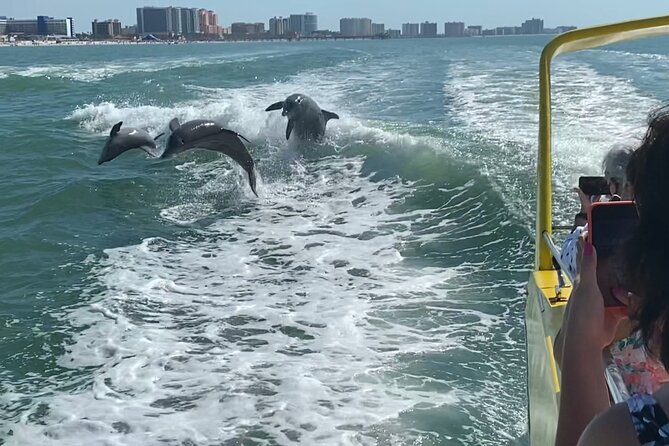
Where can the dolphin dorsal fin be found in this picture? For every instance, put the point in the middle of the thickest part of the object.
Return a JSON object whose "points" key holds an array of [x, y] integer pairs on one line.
{"points": [[275, 106], [329, 115], [116, 128], [174, 124]]}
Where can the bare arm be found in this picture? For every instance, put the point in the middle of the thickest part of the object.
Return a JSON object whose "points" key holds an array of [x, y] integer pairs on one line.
{"points": [[588, 329], [584, 393], [612, 428]]}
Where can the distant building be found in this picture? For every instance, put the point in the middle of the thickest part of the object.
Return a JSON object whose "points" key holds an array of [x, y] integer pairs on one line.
{"points": [[303, 24], [428, 29], [247, 29], [310, 23], [239, 29], [28, 27], [394, 33], [107, 28], [378, 29], [505, 31], [454, 29], [42, 26], [489, 32], [532, 26], [474, 30], [190, 21], [175, 20], [129, 31], [355, 27], [278, 26], [3, 25], [152, 20], [410, 30], [177, 23], [208, 22]]}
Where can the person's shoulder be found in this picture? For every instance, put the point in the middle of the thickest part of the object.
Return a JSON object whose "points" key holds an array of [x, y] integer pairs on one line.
{"points": [[611, 428]]}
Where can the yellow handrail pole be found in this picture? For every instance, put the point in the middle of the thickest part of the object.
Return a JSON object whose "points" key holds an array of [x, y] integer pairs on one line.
{"points": [[576, 40], [544, 173]]}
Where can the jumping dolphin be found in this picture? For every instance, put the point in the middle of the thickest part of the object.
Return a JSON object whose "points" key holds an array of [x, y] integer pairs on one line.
{"points": [[304, 115], [210, 135], [123, 139]]}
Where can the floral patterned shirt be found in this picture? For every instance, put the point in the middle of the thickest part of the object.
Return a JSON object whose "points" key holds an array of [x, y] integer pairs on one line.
{"points": [[641, 373]]}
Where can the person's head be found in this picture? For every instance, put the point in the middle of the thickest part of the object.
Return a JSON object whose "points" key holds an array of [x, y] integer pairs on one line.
{"points": [[630, 177], [647, 251], [614, 165]]}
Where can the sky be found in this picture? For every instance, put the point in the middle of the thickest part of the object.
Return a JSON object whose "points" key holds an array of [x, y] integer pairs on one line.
{"points": [[488, 13]]}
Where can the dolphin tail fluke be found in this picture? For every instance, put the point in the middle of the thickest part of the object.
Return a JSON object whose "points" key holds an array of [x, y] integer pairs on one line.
{"points": [[329, 115], [289, 128], [275, 106]]}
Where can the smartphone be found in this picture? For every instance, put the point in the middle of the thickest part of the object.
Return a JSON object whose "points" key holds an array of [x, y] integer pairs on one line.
{"points": [[594, 186], [610, 224]]}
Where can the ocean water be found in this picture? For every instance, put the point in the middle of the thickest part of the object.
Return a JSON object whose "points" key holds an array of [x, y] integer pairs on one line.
{"points": [[373, 294]]}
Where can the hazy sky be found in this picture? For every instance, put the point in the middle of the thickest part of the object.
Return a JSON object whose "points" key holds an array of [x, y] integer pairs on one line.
{"points": [[393, 13]]}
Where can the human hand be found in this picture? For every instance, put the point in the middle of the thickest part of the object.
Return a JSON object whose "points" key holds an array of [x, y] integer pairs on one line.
{"points": [[589, 320], [586, 203]]}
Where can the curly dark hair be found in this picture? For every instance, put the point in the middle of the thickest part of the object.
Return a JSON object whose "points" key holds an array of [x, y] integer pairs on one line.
{"points": [[647, 250]]}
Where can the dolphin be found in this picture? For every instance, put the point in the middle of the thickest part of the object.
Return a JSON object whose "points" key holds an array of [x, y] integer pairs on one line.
{"points": [[210, 135], [304, 116], [123, 139]]}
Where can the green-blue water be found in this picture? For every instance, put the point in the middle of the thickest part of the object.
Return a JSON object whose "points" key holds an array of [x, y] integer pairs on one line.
{"points": [[373, 294]]}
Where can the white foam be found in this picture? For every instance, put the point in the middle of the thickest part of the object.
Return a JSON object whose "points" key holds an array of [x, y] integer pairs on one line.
{"points": [[95, 72], [287, 330], [297, 317], [242, 110], [591, 112]]}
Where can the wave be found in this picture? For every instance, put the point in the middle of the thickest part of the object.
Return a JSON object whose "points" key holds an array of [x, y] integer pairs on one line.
{"points": [[298, 322], [640, 55], [95, 72], [243, 111], [591, 112]]}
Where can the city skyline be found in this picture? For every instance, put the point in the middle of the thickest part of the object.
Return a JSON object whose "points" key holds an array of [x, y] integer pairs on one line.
{"points": [[487, 13]]}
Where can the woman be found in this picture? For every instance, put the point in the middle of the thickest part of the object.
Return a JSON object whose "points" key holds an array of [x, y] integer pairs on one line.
{"points": [[585, 416], [614, 167]]}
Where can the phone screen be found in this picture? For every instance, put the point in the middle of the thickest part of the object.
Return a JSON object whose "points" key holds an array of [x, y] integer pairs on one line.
{"points": [[609, 226], [594, 185]]}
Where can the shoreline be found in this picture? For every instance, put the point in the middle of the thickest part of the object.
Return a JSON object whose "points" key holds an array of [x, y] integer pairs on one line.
{"points": [[42, 43]]}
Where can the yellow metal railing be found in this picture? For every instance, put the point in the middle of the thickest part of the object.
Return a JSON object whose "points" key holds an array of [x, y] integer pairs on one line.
{"points": [[577, 40]]}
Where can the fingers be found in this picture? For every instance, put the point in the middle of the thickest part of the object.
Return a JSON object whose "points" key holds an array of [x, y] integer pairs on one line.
{"points": [[584, 199], [588, 262], [580, 244]]}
